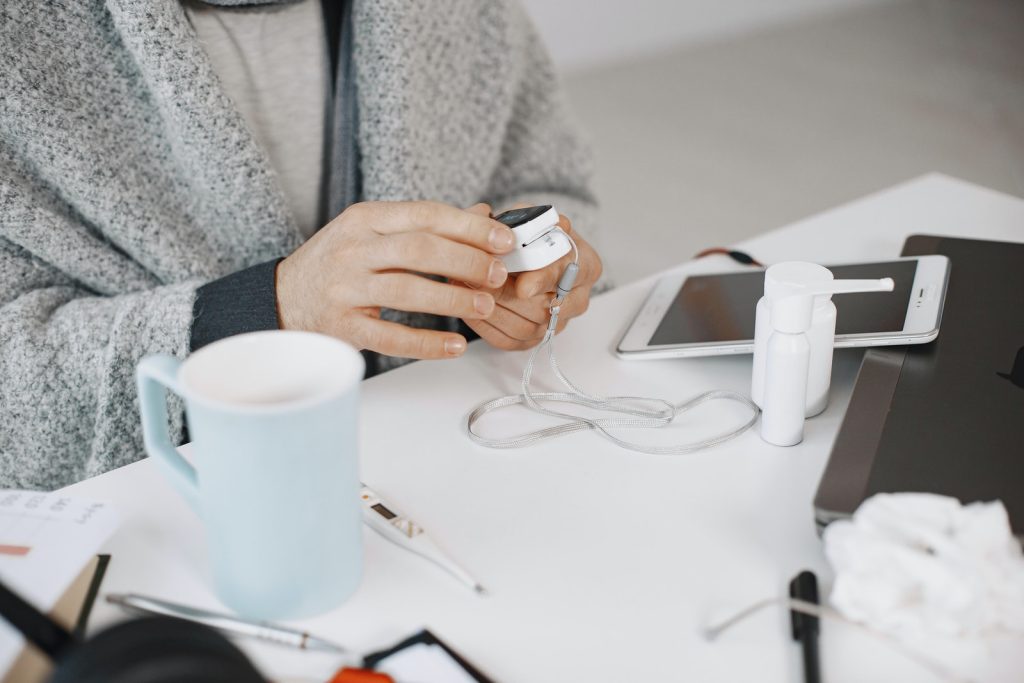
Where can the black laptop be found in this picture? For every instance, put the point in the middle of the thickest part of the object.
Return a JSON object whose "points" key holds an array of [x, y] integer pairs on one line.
{"points": [[945, 417]]}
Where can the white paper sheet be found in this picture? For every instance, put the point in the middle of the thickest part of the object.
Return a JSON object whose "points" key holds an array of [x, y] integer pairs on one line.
{"points": [[45, 541]]}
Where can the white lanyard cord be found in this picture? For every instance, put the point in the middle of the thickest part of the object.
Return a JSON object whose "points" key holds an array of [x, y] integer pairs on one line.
{"points": [[656, 413]]}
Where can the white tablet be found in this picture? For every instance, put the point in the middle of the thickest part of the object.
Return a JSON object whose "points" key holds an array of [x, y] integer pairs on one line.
{"points": [[713, 314]]}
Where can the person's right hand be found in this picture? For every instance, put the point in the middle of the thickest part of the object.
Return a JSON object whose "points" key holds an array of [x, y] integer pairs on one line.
{"points": [[368, 258]]}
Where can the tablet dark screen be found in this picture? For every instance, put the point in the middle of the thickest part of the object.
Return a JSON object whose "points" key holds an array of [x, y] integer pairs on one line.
{"points": [[716, 308]]}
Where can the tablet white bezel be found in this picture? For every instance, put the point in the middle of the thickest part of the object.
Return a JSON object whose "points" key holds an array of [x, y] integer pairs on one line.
{"points": [[920, 324]]}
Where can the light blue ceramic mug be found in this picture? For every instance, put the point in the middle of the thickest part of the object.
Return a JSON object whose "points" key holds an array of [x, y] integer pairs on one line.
{"points": [[272, 417]]}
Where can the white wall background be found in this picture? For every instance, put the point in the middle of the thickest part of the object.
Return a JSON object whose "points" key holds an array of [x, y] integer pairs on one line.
{"points": [[714, 120], [587, 33]]}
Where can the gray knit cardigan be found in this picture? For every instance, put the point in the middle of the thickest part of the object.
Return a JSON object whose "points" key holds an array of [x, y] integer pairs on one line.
{"points": [[128, 179]]}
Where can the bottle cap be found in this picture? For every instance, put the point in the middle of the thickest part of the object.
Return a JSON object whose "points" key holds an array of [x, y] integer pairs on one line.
{"points": [[790, 277], [783, 282]]}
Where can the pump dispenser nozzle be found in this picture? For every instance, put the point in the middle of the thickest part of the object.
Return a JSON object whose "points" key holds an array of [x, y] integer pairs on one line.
{"points": [[792, 312], [790, 291]]}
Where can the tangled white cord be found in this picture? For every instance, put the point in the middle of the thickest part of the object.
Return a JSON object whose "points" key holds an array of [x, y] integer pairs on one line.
{"points": [[640, 412]]}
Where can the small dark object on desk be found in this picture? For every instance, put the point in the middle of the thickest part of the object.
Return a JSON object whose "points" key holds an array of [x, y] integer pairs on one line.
{"points": [[372, 661], [47, 635], [738, 256], [804, 586]]}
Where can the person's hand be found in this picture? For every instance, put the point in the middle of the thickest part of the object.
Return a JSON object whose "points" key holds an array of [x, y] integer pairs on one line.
{"points": [[367, 258], [520, 318]]}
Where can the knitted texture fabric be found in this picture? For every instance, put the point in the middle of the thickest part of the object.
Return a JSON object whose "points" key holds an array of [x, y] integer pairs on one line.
{"points": [[128, 179]]}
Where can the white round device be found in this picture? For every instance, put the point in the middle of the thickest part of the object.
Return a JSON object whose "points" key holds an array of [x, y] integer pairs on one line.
{"points": [[539, 242], [542, 251]]}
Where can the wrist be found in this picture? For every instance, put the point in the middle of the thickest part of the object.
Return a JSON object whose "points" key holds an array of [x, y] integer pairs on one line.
{"points": [[284, 286]]}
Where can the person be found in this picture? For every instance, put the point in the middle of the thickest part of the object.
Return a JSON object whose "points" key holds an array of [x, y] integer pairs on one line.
{"points": [[173, 172]]}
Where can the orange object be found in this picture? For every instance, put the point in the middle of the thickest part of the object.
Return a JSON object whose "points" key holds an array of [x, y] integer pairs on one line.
{"points": [[350, 675], [16, 550]]}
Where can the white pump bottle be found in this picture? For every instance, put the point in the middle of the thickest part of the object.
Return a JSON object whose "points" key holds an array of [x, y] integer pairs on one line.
{"points": [[783, 354], [821, 336]]}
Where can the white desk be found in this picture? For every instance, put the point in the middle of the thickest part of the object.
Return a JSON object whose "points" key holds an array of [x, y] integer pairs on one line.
{"points": [[602, 563]]}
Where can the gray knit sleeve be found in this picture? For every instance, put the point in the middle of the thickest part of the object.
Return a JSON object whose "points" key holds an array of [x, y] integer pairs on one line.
{"points": [[68, 405]]}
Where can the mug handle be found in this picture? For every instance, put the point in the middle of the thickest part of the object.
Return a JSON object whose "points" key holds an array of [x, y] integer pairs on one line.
{"points": [[153, 375]]}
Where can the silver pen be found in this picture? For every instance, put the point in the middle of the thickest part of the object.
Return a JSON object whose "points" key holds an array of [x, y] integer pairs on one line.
{"points": [[406, 534], [225, 622]]}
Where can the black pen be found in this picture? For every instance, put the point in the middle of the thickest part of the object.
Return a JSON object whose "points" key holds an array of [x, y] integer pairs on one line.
{"points": [[805, 626]]}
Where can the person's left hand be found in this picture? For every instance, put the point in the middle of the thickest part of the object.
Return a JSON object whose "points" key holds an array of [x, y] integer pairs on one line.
{"points": [[520, 316]]}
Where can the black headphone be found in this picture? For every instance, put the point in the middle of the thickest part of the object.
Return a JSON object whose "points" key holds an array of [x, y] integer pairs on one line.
{"points": [[156, 650], [146, 650]]}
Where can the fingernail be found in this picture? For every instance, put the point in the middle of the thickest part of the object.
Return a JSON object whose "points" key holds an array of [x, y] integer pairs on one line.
{"points": [[483, 303], [454, 346], [501, 238], [497, 274]]}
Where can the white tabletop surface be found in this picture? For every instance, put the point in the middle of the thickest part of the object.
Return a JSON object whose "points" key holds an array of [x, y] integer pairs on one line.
{"points": [[602, 564]]}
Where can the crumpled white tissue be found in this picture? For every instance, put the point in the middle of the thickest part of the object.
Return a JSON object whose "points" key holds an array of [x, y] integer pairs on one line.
{"points": [[913, 564]]}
